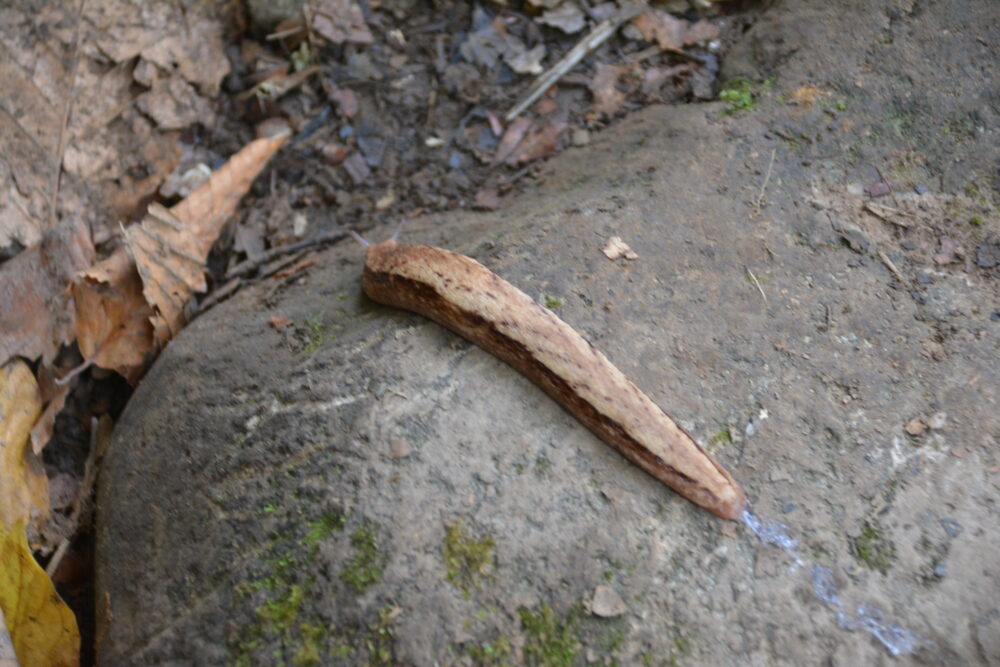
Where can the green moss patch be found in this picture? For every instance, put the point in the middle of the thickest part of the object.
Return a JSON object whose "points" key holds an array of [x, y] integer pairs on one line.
{"points": [[491, 654], [365, 568], [467, 559], [551, 641], [739, 95], [873, 549]]}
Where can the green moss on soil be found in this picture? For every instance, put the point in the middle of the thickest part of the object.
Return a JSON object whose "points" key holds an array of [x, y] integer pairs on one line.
{"points": [[873, 549], [552, 302], [467, 559], [551, 641], [365, 568], [322, 528], [723, 437], [739, 95], [491, 654]]}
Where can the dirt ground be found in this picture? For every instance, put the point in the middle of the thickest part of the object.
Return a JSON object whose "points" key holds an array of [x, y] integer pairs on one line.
{"points": [[816, 299]]}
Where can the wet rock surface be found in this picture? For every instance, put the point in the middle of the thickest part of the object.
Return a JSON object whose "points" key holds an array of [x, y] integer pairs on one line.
{"points": [[376, 490]]}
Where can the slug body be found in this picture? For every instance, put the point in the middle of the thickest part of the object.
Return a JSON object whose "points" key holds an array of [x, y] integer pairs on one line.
{"points": [[466, 297]]}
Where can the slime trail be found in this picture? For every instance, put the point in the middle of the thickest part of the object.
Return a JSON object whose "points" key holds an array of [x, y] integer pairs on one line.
{"points": [[896, 639]]}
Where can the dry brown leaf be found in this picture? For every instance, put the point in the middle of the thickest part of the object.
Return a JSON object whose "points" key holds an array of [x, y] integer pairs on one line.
{"points": [[37, 314], [42, 628], [24, 488], [671, 33], [166, 254], [537, 144], [341, 21], [662, 28], [113, 327], [511, 138], [169, 247], [608, 100], [208, 207], [188, 40], [174, 104]]}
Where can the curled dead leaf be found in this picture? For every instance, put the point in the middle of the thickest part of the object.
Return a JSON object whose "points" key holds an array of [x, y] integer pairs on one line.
{"points": [[170, 246], [113, 320]]}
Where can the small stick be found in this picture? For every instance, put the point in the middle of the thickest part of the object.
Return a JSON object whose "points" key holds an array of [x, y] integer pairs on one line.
{"points": [[600, 34], [763, 188], [251, 264], [756, 282], [892, 267], [67, 110]]}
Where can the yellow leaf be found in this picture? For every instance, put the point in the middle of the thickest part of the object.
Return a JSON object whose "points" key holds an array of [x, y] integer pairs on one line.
{"points": [[41, 626], [24, 488]]}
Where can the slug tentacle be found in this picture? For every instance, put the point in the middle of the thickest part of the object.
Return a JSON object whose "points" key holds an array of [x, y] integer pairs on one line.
{"points": [[466, 297]]}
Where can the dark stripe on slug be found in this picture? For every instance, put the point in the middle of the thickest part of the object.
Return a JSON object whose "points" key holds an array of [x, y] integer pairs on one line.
{"points": [[410, 294]]}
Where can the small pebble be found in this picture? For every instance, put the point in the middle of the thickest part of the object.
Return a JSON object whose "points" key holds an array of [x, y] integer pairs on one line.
{"points": [[938, 420], [920, 189], [940, 571], [400, 448], [607, 603], [951, 527], [788, 507], [995, 317], [925, 280]]}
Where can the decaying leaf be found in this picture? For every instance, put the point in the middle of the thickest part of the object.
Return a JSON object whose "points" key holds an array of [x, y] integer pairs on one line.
{"points": [[671, 33], [174, 104], [36, 317], [166, 254], [169, 247], [568, 17], [24, 488], [511, 138], [608, 100], [537, 144], [113, 320], [42, 628], [341, 21], [616, 248]]}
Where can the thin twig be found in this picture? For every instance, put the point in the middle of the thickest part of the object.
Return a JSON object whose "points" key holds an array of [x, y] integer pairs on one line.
{"points": [[251, 264], [892, 267], [600, 34], [756, 282], [79, 369], [763, 186], [67, 111]]}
